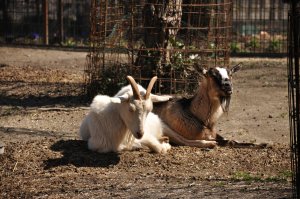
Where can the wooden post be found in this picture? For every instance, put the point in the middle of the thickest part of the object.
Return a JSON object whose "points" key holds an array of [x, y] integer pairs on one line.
{"points": [[60, 18], [46, 27]]}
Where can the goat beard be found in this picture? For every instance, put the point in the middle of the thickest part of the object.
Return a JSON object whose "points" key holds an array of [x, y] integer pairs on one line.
{"points": [[225, 102]]}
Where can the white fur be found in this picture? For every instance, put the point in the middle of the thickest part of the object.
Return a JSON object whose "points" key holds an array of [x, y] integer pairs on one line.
{"points": [[152, 139], [223, 72], [154, 98], [217, 114], [110, 120], [153, 129]]}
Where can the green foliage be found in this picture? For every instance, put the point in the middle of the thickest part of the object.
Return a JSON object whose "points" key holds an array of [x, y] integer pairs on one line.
{"points": [[220, 184], [177, 58], [176, 43], [245, 176], [110, 82], [234, 47], [70, 42], [183, 66], [182, 63], [282, 176], [274, 45], [153, 57], [253, 43]]}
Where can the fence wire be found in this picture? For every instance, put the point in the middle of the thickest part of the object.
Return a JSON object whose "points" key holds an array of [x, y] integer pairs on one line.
{"points": [[259, 26], [147, 38], [23, 22]]}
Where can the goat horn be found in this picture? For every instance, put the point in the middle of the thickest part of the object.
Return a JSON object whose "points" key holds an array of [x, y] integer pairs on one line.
{"points": [[150, 86], [135, 89]]}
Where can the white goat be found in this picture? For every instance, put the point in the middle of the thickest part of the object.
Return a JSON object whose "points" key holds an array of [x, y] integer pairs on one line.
{"points": [[111, 118], [153, 129]]}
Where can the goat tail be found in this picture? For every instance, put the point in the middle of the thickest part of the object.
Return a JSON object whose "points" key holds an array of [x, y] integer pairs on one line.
{"points": [[180, 140], [84, 132]]}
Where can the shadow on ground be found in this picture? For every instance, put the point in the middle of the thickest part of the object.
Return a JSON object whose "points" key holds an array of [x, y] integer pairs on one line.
{"points": [[33, 94], [25, 131], [75, 152]]}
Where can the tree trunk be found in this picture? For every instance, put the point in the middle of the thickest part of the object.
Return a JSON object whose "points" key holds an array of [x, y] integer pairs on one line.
{"points": [[162, 21]]}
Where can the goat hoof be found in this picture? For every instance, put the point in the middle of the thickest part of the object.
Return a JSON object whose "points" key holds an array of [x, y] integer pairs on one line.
{"points": [[212, 144], [164, 139], [165, 148]]}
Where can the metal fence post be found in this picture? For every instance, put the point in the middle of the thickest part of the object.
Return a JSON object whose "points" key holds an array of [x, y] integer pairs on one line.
{"points": [[46, 22], [294, 93], [60, 18]]}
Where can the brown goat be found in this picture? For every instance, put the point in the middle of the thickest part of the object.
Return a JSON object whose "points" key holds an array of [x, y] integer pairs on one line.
{"points": [[191, 121]]}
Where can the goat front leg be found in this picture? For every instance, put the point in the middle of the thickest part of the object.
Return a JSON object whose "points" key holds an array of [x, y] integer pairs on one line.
{"points": [[157, 145], [164, 139], [208, 134], [235, 144], [180, 140], [222, 141]]}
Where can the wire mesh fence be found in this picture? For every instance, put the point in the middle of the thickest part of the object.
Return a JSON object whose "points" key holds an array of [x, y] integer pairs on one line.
{"points": [[294, 93], [259, 26], [30, 21], [146, 38]]}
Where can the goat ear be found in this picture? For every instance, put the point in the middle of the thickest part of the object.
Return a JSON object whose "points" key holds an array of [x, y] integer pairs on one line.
{"points": [[236, 68], [211, 72], [120, 99], [160, 98], [116, 100], [204, 71], [201, 70]]}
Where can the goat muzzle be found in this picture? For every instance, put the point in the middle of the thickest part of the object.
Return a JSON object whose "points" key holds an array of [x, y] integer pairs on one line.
{"points": [[227, 87], [139, 135], [228, 91]]}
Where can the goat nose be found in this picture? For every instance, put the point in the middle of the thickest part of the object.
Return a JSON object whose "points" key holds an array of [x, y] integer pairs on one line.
{"points": [[226, 81], [227, 87], [139, 135]]}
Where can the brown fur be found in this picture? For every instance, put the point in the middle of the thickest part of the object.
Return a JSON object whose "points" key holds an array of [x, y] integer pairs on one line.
{"points": [[194, 119], [187, 120]]}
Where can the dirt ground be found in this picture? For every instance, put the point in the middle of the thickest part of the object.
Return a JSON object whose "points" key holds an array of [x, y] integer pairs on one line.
{"points": [[41, 107]]}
